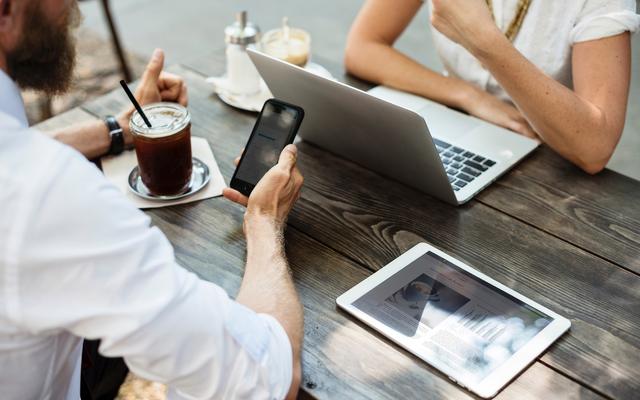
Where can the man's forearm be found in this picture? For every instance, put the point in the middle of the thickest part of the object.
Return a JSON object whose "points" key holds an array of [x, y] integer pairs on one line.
{"points": [[91, 138], [267, 286]]}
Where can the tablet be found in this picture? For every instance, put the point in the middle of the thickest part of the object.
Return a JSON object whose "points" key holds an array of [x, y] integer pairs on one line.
{"points": [[478, 332]]}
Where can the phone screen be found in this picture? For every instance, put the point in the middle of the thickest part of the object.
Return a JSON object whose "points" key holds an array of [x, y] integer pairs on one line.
{"points": [[273, 131]]}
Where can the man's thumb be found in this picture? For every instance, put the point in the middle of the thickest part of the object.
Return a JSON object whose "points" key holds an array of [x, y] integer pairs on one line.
{"points": [[155, 66], [288, 157]]}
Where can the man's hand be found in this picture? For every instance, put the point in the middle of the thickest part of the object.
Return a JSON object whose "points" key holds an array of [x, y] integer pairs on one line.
{"points": [[466, 22], [276, 193], [490, 108], [155, 86]]}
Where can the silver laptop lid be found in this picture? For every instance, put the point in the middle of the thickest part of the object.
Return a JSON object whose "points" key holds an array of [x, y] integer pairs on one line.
{"points": [[374, 133]]}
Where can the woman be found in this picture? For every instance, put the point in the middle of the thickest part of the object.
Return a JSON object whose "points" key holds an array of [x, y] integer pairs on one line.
{"points": [[558, 71]]}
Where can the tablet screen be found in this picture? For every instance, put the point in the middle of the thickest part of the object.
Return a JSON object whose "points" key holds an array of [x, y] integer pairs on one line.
{"points": [[460, 323]]}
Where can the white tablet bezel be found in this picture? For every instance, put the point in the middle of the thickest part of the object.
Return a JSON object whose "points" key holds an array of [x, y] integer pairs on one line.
{"points": [[497, 379]]}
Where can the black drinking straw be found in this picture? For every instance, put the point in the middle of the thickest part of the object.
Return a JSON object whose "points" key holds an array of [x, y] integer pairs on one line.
{"points": [[135, 103]]}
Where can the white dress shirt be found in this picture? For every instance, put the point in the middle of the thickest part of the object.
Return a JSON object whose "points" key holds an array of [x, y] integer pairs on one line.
{"points": [[78, 261], [548, 33]]}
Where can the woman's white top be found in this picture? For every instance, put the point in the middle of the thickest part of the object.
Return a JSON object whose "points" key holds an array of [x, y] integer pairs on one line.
{"points": [[546, 38]]}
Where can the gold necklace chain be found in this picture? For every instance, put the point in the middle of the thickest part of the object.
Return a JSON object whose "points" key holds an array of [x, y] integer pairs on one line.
{"points": [[516, 24]]}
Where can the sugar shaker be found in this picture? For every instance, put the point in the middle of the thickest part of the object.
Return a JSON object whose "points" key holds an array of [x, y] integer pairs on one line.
{"points": [[242, 76]]}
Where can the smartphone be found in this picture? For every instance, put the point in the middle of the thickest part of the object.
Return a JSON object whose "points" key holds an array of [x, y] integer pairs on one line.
{"points": [[276, 127]]}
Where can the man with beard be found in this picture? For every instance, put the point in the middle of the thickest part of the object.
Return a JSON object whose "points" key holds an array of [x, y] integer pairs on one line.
{"points": [[78, 261]]}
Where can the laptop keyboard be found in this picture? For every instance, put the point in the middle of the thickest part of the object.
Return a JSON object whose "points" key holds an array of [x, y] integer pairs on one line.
{"points": [[462, 166]]}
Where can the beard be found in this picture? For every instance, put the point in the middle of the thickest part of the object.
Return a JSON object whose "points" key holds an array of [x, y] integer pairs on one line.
{"points": [[45, 57]]}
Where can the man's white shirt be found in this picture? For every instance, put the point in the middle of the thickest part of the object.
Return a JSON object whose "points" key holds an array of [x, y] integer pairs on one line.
{"points": [[78, 261]]}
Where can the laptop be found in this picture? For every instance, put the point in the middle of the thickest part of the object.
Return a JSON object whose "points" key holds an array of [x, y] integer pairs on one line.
{"points": [[430, 147]]}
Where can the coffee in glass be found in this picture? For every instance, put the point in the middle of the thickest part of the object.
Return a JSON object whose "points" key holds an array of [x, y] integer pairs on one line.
{"points": [[164, 150]]}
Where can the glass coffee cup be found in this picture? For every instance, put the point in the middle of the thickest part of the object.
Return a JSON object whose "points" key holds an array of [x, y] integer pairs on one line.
{"points": [[164, 150], [292, 45]]}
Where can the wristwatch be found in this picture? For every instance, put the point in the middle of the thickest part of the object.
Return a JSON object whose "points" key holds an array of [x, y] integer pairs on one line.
{"points": [[116, 134]]}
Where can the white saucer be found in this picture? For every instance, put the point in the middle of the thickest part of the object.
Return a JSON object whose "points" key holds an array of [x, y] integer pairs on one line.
{"points": [[251, 102], [254, 102]]}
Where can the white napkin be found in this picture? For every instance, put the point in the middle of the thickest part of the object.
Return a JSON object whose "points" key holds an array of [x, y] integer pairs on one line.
{"points": [[118, 168]]}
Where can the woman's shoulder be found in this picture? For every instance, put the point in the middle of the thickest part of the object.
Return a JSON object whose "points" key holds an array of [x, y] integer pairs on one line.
{"points": [[603, 18]]}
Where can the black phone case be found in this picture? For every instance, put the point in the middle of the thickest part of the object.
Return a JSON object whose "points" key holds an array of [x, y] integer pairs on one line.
{"points": [[247, 187]]}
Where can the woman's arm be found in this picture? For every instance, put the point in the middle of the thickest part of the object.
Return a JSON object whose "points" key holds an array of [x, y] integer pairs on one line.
{"points": [[370, 55], [583, 125]]}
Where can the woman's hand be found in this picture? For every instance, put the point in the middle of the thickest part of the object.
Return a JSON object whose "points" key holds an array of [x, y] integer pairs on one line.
{"points": [[490, 108], [466, 22]]}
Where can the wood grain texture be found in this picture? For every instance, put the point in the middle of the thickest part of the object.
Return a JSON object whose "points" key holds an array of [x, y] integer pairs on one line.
{"points": [[208, 240], [600, 214], [341, 358], [372, 220]]}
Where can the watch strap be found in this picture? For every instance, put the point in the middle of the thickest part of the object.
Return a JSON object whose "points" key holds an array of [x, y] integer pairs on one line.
{"points": [[116, 134]]}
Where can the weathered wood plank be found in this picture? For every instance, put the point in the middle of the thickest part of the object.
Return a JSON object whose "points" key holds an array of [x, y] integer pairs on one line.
{"points": [[373, 220], [365, 217], [342, 358], [600, 214], [227, 131], [208, 240]]}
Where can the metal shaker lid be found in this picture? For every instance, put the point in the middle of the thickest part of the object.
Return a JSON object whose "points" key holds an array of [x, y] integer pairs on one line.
{"points": [[242, 32]]}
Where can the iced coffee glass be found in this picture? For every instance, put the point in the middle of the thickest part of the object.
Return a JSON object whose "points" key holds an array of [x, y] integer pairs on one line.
{"points": [[164, 150]]}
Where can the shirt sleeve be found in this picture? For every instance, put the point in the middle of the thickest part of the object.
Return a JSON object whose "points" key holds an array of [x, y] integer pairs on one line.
{"points": [[604, 18], [91, 264]]}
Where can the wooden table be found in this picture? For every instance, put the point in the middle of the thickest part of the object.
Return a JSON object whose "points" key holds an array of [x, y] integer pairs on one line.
{"points": [[565, 239]]}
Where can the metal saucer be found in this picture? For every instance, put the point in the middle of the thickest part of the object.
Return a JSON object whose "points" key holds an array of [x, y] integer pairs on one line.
{"points": [[200, 176]]}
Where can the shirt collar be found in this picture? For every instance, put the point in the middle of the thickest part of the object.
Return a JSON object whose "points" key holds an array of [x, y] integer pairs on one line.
{"points": [[12, 112]]}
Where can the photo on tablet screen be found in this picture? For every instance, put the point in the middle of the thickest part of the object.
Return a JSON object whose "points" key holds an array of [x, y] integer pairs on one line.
{"points": [[427, 301], [466, 325]]}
